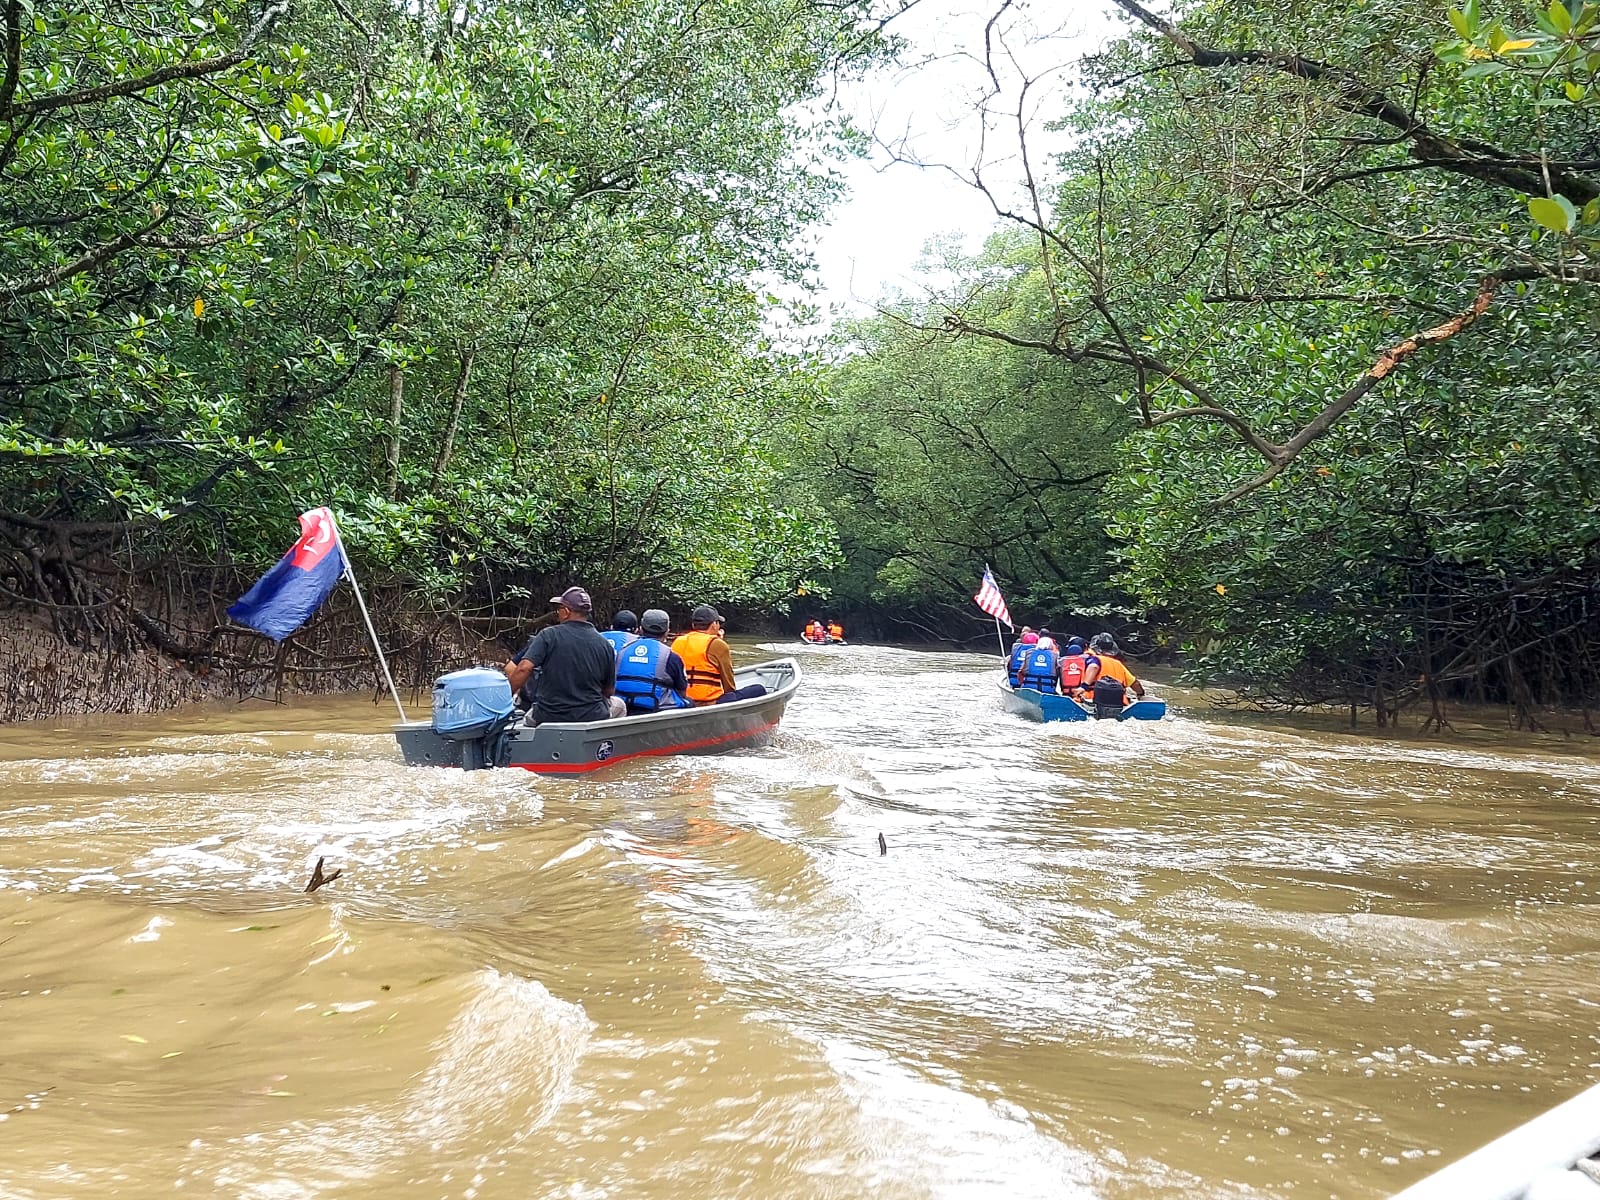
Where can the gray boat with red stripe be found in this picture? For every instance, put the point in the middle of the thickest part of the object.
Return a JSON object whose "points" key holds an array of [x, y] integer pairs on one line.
{"points": [[561, 748]]}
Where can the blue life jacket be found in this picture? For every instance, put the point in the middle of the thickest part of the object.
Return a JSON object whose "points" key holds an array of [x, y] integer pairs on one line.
{"points": [[1019, 653], [1041, 671], [619, 638], [642, 678]]}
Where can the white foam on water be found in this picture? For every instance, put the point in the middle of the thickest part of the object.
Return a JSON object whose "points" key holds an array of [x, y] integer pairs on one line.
{"points": [[503, 1068], [952, 1143]]}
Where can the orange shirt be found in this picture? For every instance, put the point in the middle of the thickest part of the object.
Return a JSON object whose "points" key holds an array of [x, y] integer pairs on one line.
{"points": [[1112, 668]]}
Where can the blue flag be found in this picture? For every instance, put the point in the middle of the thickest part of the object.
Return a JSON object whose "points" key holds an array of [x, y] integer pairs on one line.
{"points": [[286, 596]]}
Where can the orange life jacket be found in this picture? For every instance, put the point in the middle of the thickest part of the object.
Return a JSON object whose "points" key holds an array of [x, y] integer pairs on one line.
{"points": [[836, 630], [1111, 668], [705, 681]]}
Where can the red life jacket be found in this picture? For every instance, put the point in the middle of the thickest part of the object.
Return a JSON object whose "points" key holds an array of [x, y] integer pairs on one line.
{"points": [[1072, 668]]}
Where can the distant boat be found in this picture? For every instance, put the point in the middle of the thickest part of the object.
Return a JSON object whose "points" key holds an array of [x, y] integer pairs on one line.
{"points": [[571, 748], [1039, 706], [827, 641]]}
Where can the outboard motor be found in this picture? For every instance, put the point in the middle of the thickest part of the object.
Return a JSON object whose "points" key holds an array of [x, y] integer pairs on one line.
{"points": [[474, 707], [1108, 697]]}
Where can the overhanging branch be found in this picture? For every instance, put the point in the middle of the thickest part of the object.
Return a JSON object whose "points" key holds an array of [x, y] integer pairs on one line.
{"points": [[1380, 370], [139, 83], [1462, 156]]}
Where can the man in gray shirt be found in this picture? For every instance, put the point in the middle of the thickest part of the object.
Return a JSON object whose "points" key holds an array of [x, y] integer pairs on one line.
{"points": [[577, 667]]}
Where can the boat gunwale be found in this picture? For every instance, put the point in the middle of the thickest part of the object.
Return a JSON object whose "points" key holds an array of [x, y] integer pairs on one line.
{"points": [[1019, 702], [716, 725]]}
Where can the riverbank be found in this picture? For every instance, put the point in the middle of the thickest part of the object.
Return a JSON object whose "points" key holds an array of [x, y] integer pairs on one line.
{"points": [[123, 672]]}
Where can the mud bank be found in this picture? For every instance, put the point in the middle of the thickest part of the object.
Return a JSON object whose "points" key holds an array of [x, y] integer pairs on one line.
{"points": [[48, 675]]}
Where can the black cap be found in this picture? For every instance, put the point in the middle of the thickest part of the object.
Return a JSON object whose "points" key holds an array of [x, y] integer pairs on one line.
{"points": [[576, 599], [655, 620], [703, 616], [625, 620]]}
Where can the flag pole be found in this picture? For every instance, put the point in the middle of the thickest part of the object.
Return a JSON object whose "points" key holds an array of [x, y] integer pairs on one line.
{"points": [[998, 636], [350, 574]]}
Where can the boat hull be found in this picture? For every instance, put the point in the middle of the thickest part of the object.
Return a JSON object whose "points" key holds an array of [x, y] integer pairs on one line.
{"points": [[562, 748], [1036, 706]]}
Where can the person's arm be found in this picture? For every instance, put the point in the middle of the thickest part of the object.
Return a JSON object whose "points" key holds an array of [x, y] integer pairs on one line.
{"points": [[1138, 688], [722, 658], [610, 688], [677, 677], [521, 668], [1091, 671], [517, 672]]}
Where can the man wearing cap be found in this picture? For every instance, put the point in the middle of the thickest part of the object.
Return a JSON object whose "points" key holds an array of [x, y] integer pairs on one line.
{"points": [[708, 662], [577, 667], [650, 677], [1107, 680], [624, 629]]}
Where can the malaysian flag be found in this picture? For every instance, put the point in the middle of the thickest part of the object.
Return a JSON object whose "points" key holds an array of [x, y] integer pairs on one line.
{"points": [[284, 598], [991, 601]]}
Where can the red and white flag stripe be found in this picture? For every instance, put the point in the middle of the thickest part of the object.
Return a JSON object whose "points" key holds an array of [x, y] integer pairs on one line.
{"points": [[991, 601]]}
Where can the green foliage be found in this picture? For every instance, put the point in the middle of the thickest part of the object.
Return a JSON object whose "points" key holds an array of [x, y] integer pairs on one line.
{"points": [[1340, 296], [940, 454], [1550, 66], [1439, 537], [478, 277]]}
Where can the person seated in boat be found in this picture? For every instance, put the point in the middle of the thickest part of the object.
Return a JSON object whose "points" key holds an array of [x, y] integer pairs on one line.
{"points": [[624, 629], [815, 632], [1041, 669], [835, 631], [709, 663], [650, 677], [1109, 683], [1026, 642], [577, 669], [1074, 665]]}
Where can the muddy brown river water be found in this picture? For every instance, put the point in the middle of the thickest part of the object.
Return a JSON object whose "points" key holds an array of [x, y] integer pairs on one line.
{"points": [[1217, 956]]}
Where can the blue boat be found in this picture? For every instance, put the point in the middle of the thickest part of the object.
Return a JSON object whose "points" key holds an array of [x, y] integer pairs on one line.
{"points": [[1037, 706]]}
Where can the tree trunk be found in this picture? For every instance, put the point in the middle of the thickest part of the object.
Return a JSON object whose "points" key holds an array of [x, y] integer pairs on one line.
{"points": [[450, 429], [397, 391]]}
